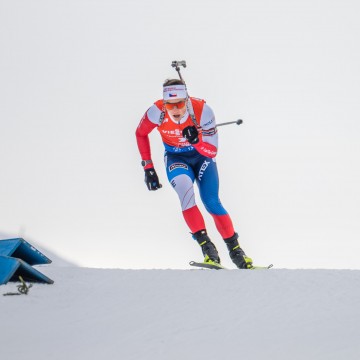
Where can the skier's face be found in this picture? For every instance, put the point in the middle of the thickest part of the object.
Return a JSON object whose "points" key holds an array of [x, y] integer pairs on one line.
{"points": [[176, 108]]}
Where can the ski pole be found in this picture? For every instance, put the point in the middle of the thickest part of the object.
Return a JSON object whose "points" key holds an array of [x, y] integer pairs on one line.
{"points": [[176, 65], [237, 122]]}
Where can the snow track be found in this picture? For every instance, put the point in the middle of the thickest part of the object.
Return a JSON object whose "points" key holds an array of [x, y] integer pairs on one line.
{"points": [[176, 314]]}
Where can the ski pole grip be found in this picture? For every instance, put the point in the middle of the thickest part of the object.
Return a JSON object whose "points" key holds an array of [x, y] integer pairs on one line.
{"points": [[176, 64]]}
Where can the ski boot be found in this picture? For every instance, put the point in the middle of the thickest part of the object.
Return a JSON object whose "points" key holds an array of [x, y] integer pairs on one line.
{"points": [[208, 248], [237, 254]]}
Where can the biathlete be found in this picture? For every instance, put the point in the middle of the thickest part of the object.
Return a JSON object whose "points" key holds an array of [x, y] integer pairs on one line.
{"points": [[188, 130]]}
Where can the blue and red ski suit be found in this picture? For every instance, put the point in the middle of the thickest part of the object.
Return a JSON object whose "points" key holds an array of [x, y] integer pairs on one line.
{"points": [[186, 163]]}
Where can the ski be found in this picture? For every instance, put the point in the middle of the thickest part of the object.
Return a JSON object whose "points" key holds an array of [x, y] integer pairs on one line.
{"points": [[214, 266], [206, 265], [254, 267]]}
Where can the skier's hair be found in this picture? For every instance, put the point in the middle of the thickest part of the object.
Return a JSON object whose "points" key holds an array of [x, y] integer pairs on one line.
{"points": [[169, 82]]}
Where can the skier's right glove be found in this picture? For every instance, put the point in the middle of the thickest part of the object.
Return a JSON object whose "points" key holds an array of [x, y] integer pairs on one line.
{"points": [[152, 180], [191, 134]]}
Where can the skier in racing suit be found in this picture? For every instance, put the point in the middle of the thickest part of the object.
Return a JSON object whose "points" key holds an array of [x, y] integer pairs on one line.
{"points": [[188, 130]]}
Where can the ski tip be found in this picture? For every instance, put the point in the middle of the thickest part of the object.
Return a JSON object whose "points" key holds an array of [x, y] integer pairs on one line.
{"points": [[205, 265], [254, 267]]}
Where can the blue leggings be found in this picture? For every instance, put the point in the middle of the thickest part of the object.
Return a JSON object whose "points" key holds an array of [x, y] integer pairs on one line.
{"points": [[183, 169]]}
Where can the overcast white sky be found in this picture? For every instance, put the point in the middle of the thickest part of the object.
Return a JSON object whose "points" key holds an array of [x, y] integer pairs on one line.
{"points": [[76, 77]]}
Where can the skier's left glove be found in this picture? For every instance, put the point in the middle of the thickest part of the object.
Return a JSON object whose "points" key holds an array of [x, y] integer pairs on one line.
{"points": [[191, 134], [151, 179]]}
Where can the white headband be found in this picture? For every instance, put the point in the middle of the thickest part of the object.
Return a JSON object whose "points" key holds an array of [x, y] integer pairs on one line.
{"points": [[173, 92]]}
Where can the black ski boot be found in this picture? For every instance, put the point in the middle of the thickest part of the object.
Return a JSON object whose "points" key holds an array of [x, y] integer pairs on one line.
{"points": [[207, 247], [237, 254]]}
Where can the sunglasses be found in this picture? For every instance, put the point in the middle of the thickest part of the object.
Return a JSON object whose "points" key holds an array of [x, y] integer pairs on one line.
{"points": [[179, 105]]}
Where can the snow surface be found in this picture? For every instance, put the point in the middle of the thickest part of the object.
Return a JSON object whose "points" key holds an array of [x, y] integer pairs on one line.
{"points": [[177, 314]]}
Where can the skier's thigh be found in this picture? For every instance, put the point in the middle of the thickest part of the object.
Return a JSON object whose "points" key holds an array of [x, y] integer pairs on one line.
{"points": [[184, 186]]}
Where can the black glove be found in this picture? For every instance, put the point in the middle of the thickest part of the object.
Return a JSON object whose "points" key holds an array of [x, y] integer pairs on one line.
{"points": [[151, 179], [191, 134]]}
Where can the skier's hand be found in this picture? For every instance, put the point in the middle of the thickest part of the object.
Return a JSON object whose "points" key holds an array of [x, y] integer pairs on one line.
{"points": [[152, 180], [191, 134]]}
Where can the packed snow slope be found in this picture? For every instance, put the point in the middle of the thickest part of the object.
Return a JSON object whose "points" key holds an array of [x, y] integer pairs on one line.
{"points": [[177, 314]]}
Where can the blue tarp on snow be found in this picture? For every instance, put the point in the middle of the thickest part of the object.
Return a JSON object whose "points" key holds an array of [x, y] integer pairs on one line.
{"points": [[16, 259], [21, 249], [12, 268]]}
